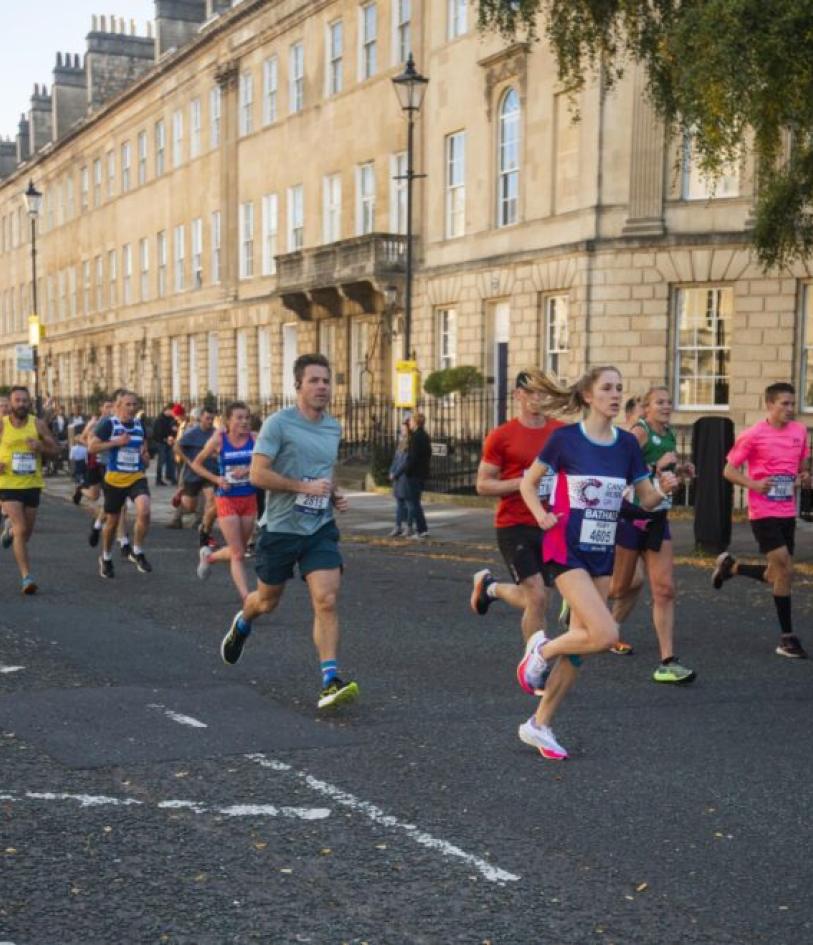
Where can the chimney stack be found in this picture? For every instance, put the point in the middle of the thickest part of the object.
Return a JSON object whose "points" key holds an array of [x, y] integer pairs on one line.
{"points": [[8, 157], [116, 57], [23, 140], [41, 118], [177, 22], [68, 94]]}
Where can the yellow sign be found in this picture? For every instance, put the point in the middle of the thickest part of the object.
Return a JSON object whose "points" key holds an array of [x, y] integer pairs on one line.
{"points": [[407, 384], [35, 330]]}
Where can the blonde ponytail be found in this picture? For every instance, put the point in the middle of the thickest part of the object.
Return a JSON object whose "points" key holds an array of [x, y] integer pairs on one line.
{"points": [[557, 398]]}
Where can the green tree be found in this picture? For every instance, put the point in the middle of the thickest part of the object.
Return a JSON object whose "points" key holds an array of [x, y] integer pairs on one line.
{"points": [[733, 73]]}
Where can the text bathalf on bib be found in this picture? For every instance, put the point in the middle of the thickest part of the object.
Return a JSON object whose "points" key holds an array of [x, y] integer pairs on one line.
{"points": [[128, 459], [598, 529], [311, 504]]}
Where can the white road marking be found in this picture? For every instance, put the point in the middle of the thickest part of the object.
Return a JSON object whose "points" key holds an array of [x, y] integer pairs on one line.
{"points": [[233, 810], [490, 872], [10, 669], [178, 717]]}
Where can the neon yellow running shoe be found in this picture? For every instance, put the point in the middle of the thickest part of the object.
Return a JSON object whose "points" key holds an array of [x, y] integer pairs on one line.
{"points": [[673, 672], [336, 693]]}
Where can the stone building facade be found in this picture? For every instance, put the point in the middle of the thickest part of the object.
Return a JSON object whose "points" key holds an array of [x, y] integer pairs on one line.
{"points": [[225, 193]]}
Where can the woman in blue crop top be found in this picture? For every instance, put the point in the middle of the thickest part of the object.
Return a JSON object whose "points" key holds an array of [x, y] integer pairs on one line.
{"points": [[235, 497]]}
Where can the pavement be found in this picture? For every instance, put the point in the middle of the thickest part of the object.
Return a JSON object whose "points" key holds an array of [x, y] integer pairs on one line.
{"points": [[150, 794]]}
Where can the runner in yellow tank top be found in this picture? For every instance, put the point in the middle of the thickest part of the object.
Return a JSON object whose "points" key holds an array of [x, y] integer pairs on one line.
{"points": [[24, 440]]}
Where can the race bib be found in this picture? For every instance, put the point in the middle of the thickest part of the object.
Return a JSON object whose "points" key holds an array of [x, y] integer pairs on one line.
{"points": [[237, 475], [311, 504], [782, 488], [128, 459], [598, 530], [546, 484], [23, 464]]}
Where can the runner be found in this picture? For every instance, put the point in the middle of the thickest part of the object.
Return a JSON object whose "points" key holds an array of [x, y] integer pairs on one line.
{"points": [[593, 461], [774, 451], [293, 461], [6, 543], [191, 442], [508, 451], [236, 497], [649, 540], [122, 435], [24, 441]]}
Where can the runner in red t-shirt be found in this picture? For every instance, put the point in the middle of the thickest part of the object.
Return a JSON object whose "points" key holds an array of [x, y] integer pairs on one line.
{"points": [[508, 451]]}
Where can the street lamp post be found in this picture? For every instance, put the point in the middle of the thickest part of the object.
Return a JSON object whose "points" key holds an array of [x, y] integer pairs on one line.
{"points": [[33, 199], [410, 87]]}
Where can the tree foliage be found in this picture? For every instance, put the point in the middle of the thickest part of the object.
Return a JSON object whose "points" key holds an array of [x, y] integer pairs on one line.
{"points": [[735, 74], [462, 379]]}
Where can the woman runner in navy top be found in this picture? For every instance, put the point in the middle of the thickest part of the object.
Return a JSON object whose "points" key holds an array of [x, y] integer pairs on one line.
{"points": [[593, 462], [235, 497]]}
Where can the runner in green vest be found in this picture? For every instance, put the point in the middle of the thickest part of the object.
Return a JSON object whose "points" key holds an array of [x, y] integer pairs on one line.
{"points": [[649, 539]]}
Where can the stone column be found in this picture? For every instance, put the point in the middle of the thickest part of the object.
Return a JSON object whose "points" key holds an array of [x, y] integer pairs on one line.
{"points": [[645, 211], [226, 77]]}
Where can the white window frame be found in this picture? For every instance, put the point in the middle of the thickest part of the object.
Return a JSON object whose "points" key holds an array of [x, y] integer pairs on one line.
{"points": [[160, 139], [144, 268], [84, 188], [446, 336], [270, 89], [142, 158], [215, 105], [246, 237], [331, 208], [241, 363], [197, 253], [359, 366], [246, 103], [457, 18], [694, 185], [193, 367], [179, 257], [97, 189], [557, 332], [455, 179], [270, 231], [161, 262], [175, 368], [126, 274], [334, 66], [508, 142], [112, 278], [213, 362], [806, 349], [111, 173], [365, 198], [398, 192], [296, 218], [216, 225], [85, 286], [296, 77], [99, 269], [368, 40], [401, 31], [712, 316], [194, 127], [177, 138]]}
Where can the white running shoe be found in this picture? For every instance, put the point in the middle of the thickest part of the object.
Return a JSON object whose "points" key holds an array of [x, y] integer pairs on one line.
{"points": [[532, 666], [204, 567], [543, 739]]}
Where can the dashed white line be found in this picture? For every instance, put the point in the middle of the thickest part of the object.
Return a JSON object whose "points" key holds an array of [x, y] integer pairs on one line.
{"points": [[85, 800], [10, 669], [178, 717], [490, 872]]}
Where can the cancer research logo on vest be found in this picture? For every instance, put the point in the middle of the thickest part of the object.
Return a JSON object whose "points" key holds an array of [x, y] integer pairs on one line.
{"points": [[595, 492]]}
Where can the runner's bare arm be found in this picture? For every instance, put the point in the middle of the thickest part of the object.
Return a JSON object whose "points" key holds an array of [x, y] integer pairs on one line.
{"points": [[489, 482], [48, 446], [651, 496], [732, 474], [529, 490], [263, 477]]}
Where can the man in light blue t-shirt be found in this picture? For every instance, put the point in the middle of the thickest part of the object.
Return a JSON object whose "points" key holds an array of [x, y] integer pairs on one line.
{"points": [[293, 461]]}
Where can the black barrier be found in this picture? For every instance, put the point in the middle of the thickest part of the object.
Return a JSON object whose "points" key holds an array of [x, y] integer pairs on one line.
{"points": [[712, 438]]}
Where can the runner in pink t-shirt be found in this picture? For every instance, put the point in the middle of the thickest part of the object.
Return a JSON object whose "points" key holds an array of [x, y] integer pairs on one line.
{"points": [[774, 453]]}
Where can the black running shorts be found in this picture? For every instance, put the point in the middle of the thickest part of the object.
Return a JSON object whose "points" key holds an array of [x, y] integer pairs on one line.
{"points": [[521, 548], [772, 533], [116, 496]]}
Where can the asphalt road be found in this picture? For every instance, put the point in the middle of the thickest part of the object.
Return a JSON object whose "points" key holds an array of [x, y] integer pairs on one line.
{"points": [[150, 794]]}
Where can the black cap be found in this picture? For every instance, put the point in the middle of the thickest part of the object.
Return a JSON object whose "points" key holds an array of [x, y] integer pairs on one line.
{"points": [[522, 379]]}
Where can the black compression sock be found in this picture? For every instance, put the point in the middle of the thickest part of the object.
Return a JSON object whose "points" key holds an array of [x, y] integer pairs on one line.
{"points": [[755, 571], [783, 612]]}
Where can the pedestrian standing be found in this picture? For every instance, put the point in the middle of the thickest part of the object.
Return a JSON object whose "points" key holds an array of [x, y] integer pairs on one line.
{"points": [[404, 524], [294, 460], [164, 431], [774, 452], [419, 457]]}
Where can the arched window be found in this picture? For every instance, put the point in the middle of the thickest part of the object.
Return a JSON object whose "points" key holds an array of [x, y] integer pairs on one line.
{"points": [[508, 182]]}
